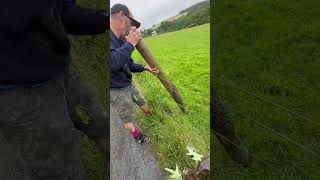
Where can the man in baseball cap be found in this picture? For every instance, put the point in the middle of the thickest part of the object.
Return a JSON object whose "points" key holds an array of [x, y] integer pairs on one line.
{"points": [[124, 10], [124, 36]]}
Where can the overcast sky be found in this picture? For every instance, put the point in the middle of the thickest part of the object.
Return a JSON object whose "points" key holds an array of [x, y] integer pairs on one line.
{"points": [[150, 12]]}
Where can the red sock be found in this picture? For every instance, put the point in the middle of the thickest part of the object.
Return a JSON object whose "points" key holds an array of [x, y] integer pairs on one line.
{"points": [[135, 133]]}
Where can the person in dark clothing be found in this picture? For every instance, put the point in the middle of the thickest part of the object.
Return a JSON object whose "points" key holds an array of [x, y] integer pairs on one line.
{"points": [[34, 46], [37, 136], [224, 130], [81, 99], [123, 38]]}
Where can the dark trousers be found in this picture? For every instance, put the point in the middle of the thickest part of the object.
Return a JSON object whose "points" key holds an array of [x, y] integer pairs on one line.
{"points": [[37, 137]]}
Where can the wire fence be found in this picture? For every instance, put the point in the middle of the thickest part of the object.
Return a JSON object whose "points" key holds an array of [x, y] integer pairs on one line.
{"points": [[186, 133], [304, 148], [195, 94], [261, 98], [265, 100], [251, 154]]}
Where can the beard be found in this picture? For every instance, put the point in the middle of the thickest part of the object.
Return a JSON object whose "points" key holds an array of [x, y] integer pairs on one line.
{"points": [[125, 32]]}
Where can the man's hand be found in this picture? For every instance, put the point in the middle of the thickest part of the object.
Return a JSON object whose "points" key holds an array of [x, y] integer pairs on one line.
{"points": [[154, 70], [134, 36]]}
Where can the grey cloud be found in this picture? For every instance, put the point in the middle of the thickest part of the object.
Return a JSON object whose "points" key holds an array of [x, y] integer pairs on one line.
{"points": [[150, 12]]}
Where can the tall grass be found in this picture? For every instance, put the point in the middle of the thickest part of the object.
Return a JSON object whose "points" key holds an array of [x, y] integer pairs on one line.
{"points": [[89, 56], [272, 49], [184, 56]]}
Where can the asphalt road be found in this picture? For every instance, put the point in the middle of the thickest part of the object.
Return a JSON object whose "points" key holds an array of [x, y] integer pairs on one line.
{"points": [[128, 159]]}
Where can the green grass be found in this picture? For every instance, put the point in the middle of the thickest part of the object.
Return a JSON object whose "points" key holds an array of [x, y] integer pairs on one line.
{"points": [[88, 55], [184, 56], [272, 49]]}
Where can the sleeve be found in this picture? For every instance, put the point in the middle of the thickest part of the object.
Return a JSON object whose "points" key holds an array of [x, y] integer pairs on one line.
{"points": [[120, 56], [83, 21], [135, 67], [16, 15]]}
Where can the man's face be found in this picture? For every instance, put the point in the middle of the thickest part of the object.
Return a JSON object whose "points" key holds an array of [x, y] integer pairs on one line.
{"points": [[125, 25]]}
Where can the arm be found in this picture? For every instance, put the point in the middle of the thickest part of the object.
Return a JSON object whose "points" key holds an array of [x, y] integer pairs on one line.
{"points": [[83, 21], [135, 67], [120, 56], [16, 15]]}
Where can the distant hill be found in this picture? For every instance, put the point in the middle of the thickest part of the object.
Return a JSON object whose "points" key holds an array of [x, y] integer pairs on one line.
{"points": [[177, 16], [196, 7], [155, 26], [194, 15]]}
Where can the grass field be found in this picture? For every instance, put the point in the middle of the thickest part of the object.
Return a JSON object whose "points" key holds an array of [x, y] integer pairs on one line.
{"points": [[184, 56], [272, 49]]}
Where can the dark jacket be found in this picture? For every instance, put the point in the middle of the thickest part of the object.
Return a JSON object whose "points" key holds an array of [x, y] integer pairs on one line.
{"points": [[121, 63], [34, 46]]}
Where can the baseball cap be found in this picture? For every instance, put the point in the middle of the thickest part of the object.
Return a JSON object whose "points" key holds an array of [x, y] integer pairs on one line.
{"points": [[120, 7]]}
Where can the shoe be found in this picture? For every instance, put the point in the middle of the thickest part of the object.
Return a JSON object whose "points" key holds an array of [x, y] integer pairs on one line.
{"points": [[142, 139]]}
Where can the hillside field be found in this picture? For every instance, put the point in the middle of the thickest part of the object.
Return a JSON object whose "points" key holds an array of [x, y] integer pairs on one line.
{"points": [[184, 56], [271, 49]]}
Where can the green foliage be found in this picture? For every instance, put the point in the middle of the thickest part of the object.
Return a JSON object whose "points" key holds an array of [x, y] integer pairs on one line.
{"points": [[147, 32], [88, 56], [187, 66], [195, 7], [195, 156], [175, 174], [271, 48], [196, 15]]}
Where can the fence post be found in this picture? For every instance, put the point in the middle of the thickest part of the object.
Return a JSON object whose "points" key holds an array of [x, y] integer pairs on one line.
{"points": [[171, 88]]}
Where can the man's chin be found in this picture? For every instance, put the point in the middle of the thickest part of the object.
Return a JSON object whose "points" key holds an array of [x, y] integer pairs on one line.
{"points": [[122, 37]]}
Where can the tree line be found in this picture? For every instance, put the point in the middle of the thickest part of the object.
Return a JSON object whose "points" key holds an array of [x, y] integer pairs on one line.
{"points": [[195, 15]]}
